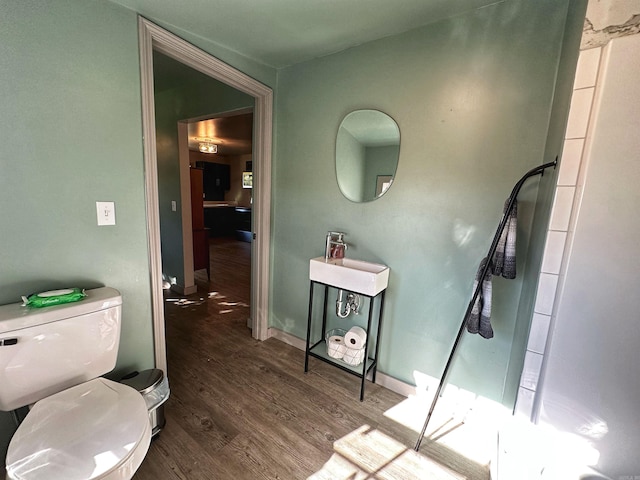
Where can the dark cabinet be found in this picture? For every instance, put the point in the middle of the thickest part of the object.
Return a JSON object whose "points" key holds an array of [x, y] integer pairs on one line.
{"points": [[217, 180], [222, 221], [219, 221], [243, 224], [243, 219]]}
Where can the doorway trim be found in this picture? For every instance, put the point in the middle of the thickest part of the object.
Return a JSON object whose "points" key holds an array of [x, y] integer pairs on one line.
{"points": [[152, 37]]}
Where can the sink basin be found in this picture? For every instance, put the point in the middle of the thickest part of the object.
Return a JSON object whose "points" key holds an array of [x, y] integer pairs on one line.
{"points": [[352, 275]]}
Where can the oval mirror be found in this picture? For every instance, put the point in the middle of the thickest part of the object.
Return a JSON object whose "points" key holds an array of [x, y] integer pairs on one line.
{"points": [[367, 152]]}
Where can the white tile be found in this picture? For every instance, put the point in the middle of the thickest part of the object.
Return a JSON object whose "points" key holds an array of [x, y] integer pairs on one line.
{"points": [[562, 205], [546, 294], [553, 251], [587, 70], [524, 403], [570, 162], [538, 333], [579, 113], [531, 370]]}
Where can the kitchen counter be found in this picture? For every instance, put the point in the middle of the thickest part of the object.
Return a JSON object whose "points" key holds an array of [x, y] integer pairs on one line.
{"points": [[219, 204]]}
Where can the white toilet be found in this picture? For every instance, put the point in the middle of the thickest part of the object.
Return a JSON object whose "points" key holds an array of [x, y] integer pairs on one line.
{"points": [[81, 426]]}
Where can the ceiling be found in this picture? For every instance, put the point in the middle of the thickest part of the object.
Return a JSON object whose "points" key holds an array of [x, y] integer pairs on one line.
{"points": [[372, 128], [232, 134], [279, 33]]}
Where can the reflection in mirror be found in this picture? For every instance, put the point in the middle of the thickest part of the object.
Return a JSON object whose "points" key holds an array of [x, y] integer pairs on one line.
{"points": [[367, 151]]}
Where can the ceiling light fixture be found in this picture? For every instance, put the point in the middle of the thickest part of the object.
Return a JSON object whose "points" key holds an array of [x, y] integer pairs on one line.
{"points": [[207, 147]]}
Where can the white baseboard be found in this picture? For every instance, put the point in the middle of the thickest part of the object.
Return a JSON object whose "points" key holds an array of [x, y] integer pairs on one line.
{"points": [[382, 379], [395, 385], [181, 290], [287, 338]]}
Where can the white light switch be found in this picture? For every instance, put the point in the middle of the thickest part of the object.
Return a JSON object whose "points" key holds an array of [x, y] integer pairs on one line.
{"points": [[173, 205], [106, 213]]}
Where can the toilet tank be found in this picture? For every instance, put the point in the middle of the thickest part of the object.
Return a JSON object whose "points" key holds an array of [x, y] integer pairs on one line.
{"points": [[46, 350]]}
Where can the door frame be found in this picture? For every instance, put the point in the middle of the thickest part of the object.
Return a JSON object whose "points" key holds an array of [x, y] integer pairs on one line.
{"points": [[152, 37]]}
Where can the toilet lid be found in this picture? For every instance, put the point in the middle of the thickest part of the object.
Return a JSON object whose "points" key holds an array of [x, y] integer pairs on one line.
{"points": [[81, 433]]}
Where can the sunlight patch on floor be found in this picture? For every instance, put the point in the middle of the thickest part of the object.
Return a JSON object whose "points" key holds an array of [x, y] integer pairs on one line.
{"points": [[184, 301], [225, 307], [366, 453], [462, 421]]}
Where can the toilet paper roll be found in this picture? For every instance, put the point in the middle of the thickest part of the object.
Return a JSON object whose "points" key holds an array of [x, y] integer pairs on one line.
{"points": [[356, 337], [336, 347]]}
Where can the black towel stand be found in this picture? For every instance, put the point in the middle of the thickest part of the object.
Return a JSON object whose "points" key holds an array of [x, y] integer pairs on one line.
{"points": [[512, 198]]}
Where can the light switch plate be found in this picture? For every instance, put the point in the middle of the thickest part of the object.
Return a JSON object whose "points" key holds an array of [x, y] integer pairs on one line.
{"points": [[106, 213]]}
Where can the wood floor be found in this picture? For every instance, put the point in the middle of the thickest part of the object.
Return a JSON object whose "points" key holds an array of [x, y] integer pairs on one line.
{"points": [[243, 409]]}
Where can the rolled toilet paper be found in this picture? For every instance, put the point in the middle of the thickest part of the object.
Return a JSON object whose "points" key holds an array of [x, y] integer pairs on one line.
{"points": [[336, 347], [356, 337]]}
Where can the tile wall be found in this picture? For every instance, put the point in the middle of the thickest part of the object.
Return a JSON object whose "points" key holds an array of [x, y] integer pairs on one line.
{"points": [[563, 219]]}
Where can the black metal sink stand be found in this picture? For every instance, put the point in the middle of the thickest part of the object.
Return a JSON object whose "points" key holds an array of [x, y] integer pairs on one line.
{"points": [[319, 348]]}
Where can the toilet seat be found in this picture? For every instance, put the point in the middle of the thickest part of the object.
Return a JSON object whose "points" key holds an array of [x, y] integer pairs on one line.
{"points": [[98, 430]]}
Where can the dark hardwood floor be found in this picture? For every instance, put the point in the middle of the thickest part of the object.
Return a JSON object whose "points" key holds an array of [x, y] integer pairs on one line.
{"points": [[244, 409]]}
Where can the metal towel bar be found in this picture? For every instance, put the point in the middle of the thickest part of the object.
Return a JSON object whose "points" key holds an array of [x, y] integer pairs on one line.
{"points": [[512, 198]]}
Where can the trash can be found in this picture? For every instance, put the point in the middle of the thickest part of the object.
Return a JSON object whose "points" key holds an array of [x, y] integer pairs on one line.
{"points": [[154, 388]]}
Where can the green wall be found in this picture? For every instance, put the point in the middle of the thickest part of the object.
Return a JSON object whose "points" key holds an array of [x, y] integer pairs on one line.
{"points": [[352, 165], [186, 94], [379, 161], [71, 135], [472, 96]]}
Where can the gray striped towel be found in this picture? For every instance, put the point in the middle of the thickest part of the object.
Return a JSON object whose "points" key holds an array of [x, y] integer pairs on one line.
{"points": [[479, 320], [504, 260]]}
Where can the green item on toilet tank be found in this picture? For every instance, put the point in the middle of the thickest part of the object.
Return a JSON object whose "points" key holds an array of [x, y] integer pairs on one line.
{"points": [[53, 297]]}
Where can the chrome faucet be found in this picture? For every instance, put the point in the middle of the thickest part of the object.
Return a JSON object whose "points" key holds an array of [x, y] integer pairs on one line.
{"points": [[335, 246]]}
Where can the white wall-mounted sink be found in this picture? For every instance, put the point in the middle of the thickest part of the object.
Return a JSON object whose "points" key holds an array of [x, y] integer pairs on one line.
{"points": [[352, 275]]}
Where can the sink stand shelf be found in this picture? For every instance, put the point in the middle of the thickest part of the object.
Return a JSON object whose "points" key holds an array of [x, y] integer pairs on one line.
{"points": [[319, 349]]}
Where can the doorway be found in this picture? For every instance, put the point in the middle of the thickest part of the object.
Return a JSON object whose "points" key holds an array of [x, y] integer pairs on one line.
{"points": [[221, 200], [155, 38]]}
